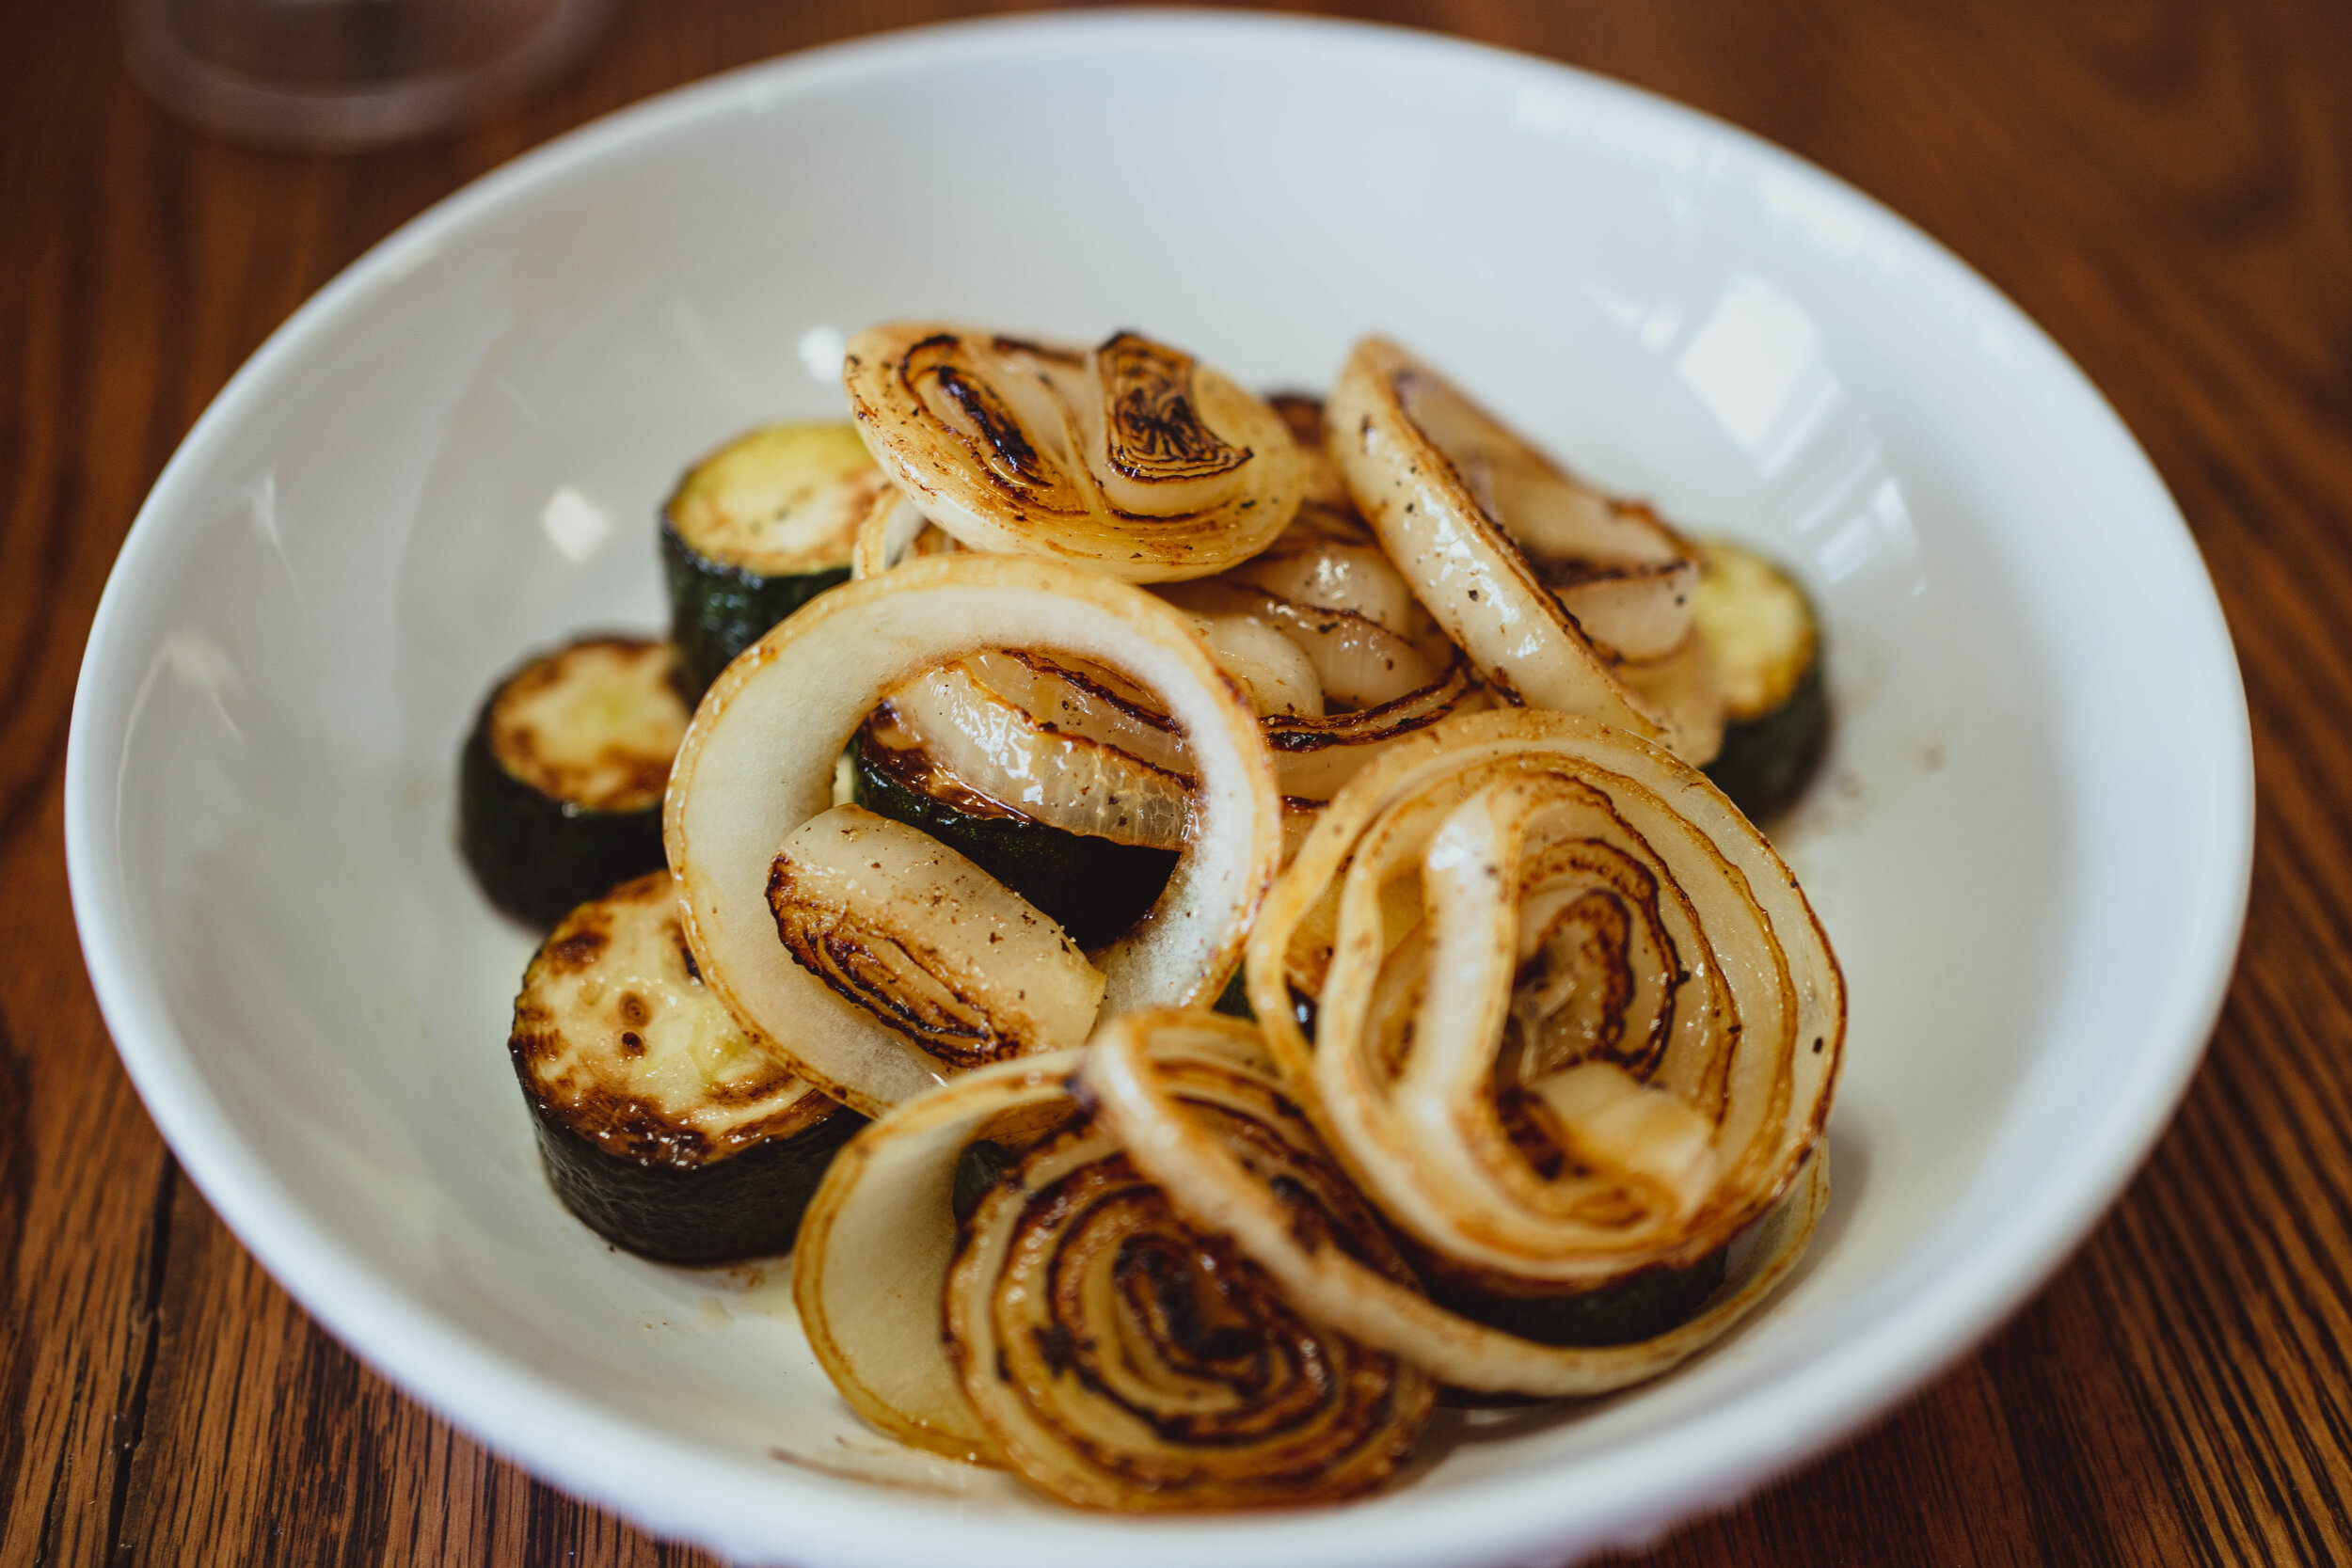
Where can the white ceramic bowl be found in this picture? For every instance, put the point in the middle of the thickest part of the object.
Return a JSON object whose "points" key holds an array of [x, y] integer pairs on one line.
{"points": [[2031, 845]]}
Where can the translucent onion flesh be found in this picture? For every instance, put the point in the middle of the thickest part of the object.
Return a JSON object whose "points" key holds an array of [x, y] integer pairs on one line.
{"points": [[903, 926], [758, 761], [1060, 750], [1061, 745]]}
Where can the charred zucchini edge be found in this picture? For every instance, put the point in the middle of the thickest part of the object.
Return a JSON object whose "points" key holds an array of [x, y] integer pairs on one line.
{"points": [[747, 1205]]}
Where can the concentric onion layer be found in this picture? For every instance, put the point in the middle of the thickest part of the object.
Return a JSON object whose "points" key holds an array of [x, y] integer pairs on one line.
{"points": [[1553, 589], [1574, 1021], [1114, 1356], [1130, 457], [1574, 1017], [1219, 1190], [758, 762]]}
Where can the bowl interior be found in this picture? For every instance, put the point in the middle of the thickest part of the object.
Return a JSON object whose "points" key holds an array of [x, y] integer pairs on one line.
{"points": [[456, 456]]}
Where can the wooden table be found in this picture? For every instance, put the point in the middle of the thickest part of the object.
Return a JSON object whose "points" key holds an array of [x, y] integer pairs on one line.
{"points": [[2166, 187]]}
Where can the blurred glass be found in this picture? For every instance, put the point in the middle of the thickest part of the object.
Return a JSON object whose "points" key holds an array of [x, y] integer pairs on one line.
{"points": [[345, 75]]}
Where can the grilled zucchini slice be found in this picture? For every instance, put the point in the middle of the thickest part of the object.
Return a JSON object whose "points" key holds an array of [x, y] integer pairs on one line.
{"points": [[1093, 888], [1764, 641], [756, 530], [559, 784], [661, 1126]]}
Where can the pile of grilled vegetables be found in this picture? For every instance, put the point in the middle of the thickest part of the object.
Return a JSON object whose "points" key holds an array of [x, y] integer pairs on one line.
{"points": [[1067, 693]]}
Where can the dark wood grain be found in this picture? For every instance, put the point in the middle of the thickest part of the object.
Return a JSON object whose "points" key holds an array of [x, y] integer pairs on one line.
{"points": [[2165, 184]]}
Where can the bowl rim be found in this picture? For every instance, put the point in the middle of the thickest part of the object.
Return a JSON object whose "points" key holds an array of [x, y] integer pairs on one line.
{"points": [[671, 1486]]}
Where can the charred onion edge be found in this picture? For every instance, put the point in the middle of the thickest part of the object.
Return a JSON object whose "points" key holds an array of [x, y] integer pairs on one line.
{"points": [[1466, 572], [1213, 1189], [758, 761], [1417, 763], [1046, 1431], [1306, 751], [907, 443], [1457, 746]]}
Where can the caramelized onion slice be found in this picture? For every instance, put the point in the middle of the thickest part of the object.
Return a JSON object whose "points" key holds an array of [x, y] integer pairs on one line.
{"points": [[1065, 753], [877, 1242], [1382, 661], [1131, 457], [1124, 1359], [758, 761], [899, 923], [1056, 743], [1574, 1019], [1216, 1187], [1509, 553], [1516, 894], [1073, 1326]]}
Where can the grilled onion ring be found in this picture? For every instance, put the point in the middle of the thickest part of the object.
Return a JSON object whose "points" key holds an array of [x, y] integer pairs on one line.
{"points": [[1677, 1128], [1112, 1355], [1131, 457], [758, 761], [1478, 580], [1170, 1143]]}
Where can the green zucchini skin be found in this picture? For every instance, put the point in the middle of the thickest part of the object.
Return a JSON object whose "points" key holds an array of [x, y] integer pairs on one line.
{"points": [[661, 1126], [1767, 761], [748, 1204], [536, 856], [1634, 1309], [1093, 888], [1764, 635], [718, 609], [981, 1167]]}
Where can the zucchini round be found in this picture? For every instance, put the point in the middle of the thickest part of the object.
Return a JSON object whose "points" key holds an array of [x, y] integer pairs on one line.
{"points": [[756, 530], [661, 1125], [559, 784], [1765, 641], [1093, 888]]}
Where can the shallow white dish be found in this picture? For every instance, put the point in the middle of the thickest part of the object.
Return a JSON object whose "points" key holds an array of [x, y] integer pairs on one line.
{"points": [[2031, 844]]}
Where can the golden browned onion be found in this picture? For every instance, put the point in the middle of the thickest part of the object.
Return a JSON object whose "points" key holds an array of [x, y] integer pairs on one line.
{"points": [[1574, 1021], [1219, 1193], [1059, 744], [903, 926], [758, 762], [1555, 590], [1131, 457], [1053, 743], [1383, 664], [1110, 1353]]}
